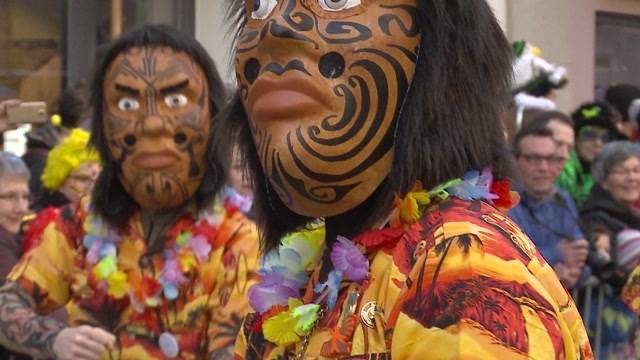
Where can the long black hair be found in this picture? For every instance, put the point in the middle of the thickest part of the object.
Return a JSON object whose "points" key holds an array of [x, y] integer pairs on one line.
{"points": [[109, 198], [449, 125]]}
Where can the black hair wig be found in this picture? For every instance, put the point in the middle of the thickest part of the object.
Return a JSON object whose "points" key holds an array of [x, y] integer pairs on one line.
{"points": [[450, 122], [109, 198]]}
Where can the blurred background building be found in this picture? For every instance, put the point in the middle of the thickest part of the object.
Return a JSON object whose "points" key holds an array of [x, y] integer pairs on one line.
{"points": [[48, 45], [596, 40]]}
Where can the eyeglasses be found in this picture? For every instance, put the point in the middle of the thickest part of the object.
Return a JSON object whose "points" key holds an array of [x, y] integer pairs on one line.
{"points": [[625, 172], [588, 133], [14, 197], [84, 179], [539, 159]]}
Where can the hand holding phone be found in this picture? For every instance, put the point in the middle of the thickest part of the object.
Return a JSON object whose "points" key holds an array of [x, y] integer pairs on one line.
{"points": [[4, 106], [27, 113]]}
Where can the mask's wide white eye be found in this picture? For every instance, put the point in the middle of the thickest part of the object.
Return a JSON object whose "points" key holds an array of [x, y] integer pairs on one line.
{"points": [[175, 100], [128, 104], [337, 5], [262, 8]]}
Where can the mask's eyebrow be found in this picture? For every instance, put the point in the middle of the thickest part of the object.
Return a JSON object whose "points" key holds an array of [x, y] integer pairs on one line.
{"points": [[127, 89], [174, 88]]}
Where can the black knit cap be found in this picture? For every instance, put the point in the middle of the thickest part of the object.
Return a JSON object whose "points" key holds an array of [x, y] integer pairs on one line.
{"points": [[595, 114], [621, 96]]}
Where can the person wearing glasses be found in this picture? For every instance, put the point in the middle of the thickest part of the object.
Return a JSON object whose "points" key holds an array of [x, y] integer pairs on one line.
{"points": [[70, 171], [69, 174], [594, 127], [545, 212], [14, 205], [608, 214]]}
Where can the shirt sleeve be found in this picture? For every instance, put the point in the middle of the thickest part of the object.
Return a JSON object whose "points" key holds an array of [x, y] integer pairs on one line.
{"points": [[45, 271], [488, 296], [236, 262]]}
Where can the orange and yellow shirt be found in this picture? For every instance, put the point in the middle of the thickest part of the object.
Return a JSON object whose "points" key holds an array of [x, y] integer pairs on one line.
{"points": [[202, 318], [462, 282]]}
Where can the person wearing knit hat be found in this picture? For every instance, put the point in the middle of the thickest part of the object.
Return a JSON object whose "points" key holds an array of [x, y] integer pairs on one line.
{"points": [[628, 244], [70, 171], [626, 99], [594, 127]]}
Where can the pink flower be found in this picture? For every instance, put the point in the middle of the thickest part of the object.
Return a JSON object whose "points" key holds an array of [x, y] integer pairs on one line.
{"points": [[201, 247]]}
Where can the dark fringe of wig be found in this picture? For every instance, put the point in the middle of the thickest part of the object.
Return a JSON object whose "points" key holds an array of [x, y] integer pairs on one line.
{"points": [[449, 124], [109, 198]]}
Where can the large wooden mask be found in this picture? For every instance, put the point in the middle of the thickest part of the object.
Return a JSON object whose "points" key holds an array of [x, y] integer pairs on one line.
{"points": [[323, 83], [157, 123]]}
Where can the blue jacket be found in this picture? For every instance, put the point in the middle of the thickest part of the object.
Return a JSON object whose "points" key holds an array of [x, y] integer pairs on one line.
{"points": [[548, 221]]}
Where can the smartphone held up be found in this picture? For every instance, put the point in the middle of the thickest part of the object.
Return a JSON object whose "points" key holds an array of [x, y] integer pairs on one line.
{"points": [[27, 113]]}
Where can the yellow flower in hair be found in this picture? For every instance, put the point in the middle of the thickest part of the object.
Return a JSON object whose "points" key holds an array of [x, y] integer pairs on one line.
{"points": [[66, 157]]}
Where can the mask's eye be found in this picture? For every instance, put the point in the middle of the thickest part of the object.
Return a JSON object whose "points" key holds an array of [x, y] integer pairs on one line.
{"points": [[128, 104], [175, 100], [262, 8], [337, 5]]}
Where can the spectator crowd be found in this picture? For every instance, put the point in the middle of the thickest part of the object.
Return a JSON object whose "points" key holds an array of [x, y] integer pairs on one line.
{"points": [[578, 177]]}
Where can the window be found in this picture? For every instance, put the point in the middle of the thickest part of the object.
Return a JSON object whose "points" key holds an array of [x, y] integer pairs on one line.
{"points": [[617, 44]]}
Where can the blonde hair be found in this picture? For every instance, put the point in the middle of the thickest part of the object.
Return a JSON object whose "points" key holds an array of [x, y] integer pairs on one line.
{"points": [[66, 157]]}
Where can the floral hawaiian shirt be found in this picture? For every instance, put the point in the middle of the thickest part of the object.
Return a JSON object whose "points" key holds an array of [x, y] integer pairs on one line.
{"points": [[198, 321], [463, 282]]}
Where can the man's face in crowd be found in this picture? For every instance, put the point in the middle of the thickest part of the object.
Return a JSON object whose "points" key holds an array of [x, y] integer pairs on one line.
{"points": [[564, 137], [323, 82], [537, 160], [157, 122]]}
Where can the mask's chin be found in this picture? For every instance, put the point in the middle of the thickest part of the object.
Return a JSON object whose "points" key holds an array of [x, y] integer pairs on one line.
{"points": [[372, 212], [157, 193]]}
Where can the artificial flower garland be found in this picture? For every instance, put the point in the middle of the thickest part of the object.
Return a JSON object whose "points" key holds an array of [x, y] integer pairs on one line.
{"points": [[283, 317], [190, 248]]}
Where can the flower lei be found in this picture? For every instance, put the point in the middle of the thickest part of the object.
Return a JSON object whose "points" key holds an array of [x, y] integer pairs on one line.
{"points": [[190, 248], [284, 318]]}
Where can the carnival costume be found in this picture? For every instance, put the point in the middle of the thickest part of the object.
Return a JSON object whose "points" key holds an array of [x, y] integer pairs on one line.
{"points": [[158, 262], [186, 298], [346, 109], [389, 293]]}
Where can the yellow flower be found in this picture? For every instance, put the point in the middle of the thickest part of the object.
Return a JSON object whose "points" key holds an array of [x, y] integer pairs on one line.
{"points": [[410, 206], [118, 284], [280, 329], [187, 261], [105, 267], [289, 326]]}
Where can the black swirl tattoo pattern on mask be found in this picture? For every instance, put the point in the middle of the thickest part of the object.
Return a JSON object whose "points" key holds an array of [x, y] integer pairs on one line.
{"points": [[366, 103], [159, 184]]}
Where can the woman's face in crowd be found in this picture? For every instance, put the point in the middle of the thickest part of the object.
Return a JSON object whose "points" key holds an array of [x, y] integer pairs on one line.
{"points": [[323, 82], [80, 181], [14, 202], [590, 141], [623, 181]]}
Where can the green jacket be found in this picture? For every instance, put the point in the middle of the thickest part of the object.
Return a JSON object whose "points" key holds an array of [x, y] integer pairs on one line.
{"points": [[575, 180]]}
